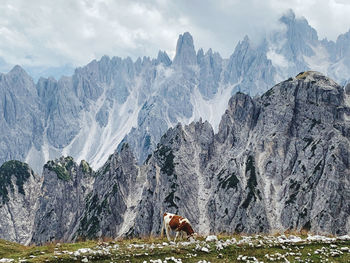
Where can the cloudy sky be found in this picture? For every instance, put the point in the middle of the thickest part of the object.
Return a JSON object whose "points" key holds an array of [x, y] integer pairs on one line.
{"points": [[41, 33]]}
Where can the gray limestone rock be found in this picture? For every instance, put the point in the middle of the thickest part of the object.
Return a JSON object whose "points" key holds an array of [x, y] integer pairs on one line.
{"points": [[62, 109], [249, 68], [63, 194], [113, 100], [210, 66], [19, 193], [347, 89], [279, 162], [21, 121], [271, 156], [185, 53], [111, 203]]}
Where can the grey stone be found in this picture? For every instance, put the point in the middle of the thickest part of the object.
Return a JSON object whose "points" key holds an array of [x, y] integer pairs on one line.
{"points": [[20, 190], [279, 161], [114, 100], [63, 194]]}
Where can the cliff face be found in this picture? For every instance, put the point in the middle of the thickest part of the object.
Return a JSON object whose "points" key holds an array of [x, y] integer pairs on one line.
{"points": [[113, 101], [279, 161], [111, 205], [19, 192], [289, 148], [63, 194]]}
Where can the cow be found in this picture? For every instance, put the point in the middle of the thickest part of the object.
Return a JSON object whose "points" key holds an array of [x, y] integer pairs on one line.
{"points": [[178, 224]]}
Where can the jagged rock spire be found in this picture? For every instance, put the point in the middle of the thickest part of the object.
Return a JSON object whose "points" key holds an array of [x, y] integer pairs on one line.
{"points": [[185, 52]]}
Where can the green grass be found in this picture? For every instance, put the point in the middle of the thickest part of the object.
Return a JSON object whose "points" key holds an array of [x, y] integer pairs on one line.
{"points": [[20, 171], [85, 167], [62, 170], [131, 250]]}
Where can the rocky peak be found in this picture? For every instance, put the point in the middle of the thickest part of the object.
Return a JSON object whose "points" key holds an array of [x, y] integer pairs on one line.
{"points": [[320, 89], [210, 66], [300, 35], [301, 24], [200, 55], [163, 58], [19, 71], [316, 78], [21, 119], [238, 119], [309, 87], [342, 45], [249, 60], [185, 52], [19, 82]]}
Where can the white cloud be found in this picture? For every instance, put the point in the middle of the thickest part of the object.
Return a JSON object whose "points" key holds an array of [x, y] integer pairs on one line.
{"points": [[55, 33]]}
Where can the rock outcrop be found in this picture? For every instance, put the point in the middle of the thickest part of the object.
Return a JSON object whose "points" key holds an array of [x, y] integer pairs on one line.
{"points": [[278, 162], [111, 205], [65, 188], [19, 193]]}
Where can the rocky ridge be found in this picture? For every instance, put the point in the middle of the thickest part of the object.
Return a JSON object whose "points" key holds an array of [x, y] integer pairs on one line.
{"points": [[278, 162], [63, 193], [19, 192], [113, 100]]}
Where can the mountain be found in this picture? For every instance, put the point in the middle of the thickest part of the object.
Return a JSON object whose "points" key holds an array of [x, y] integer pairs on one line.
{"points": [[19, 192], [64, 190], [21, 122], [114, 101], [278, 162], [298, 48]]}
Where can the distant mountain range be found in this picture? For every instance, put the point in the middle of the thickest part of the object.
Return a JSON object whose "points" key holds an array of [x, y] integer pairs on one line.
{"points": [[112, 101], [278, 162]]}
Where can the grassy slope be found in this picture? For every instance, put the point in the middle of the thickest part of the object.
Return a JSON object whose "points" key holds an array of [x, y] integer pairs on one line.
{"points": [[140, 250]]}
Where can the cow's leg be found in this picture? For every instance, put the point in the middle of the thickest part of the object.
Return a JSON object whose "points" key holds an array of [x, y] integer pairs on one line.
{"points": [[167, 229], [181, 234], [177, 234], [162, 230]]}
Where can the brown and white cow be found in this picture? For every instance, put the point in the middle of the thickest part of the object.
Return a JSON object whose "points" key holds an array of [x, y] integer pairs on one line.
{"points": [[176, 223]]}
